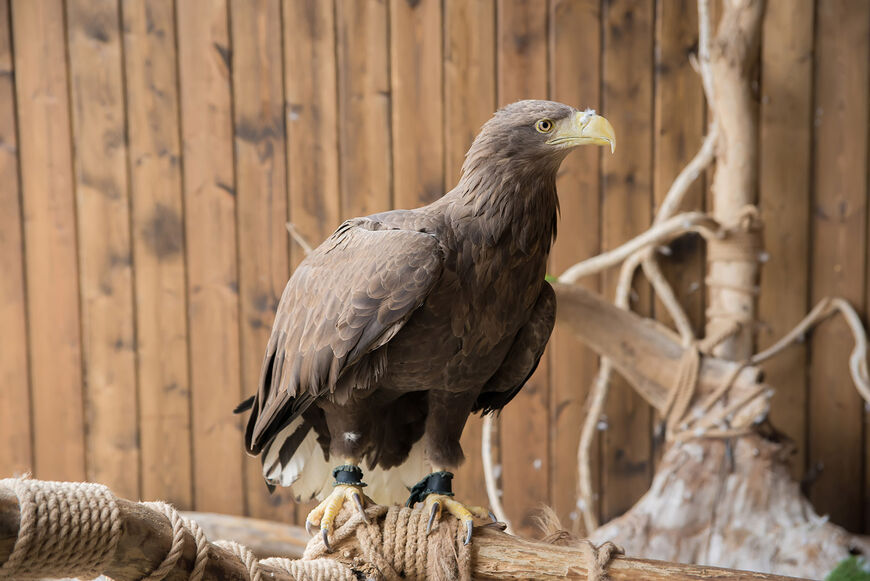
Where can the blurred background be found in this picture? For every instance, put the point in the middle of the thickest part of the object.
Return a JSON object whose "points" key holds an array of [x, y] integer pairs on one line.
{"points": [[152, 152]]}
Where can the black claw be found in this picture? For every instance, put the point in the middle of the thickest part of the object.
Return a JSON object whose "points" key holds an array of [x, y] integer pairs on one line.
{"points": [[468, 526], [492, 516], [308, 525], [325, 533], [359, 505], [435, 506]]}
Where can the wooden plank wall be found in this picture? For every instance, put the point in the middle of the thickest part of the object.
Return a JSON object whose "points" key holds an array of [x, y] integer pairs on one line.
{"points": [[151, 152]]}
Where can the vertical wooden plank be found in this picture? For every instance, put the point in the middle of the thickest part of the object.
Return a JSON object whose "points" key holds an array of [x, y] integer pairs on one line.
{"points": [[679, 132], [627, 102], [417, 90], [102, 201], [784, 198], [365, 146], [158, 249], [839, 252], [522, 74], [469, 100], [258, 98], [311, 94], [213, 283], [50, 239], [575, 79], [16, 453]]}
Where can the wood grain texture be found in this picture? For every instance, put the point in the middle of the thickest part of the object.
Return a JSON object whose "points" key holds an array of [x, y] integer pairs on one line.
{"points": [[50, 239], [417, 88], [784, 199], [626, 211], [839, 251], [524, 434], [364, 101], [311, 118], [105, 256], [16, 455], [261, 191], [153, 120], [212, 271], [678, 134], [469, 100], [575, 78]]}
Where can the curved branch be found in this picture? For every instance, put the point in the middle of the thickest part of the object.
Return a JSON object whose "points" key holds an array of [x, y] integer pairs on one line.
{"points": [[659, 233]]}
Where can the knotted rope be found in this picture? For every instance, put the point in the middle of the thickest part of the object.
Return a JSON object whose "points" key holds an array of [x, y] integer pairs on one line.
{"points": [[597, 558], [65, 529]]}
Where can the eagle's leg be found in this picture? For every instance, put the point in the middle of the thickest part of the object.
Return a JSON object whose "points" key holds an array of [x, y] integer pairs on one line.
{"points": [[347, 487], [448, 412]]}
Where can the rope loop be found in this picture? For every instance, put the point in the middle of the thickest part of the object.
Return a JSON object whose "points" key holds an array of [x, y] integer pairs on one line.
{"points": [[180, 525]]}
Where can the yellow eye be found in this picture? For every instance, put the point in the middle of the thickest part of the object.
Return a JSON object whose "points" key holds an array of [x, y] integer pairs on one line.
{"points": [[544, 126]]}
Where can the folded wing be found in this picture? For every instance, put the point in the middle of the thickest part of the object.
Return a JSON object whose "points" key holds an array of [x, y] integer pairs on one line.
{"points": [[350, 296]]}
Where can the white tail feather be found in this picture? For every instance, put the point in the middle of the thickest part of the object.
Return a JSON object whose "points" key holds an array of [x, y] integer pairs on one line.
{"points": [[309, 474]]}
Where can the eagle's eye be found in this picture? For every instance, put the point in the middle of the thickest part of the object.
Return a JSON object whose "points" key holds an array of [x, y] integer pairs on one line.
{"points": [[544, 126]]}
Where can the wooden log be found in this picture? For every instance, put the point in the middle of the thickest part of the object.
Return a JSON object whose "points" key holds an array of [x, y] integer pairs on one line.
{"points": [[265, 537], [645, 352], [147, 535]]}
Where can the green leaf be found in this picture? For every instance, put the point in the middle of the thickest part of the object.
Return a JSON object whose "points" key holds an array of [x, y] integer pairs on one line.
{"points": [[851, 569]]}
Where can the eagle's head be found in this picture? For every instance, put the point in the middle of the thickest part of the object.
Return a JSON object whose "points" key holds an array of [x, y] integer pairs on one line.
{"points": [[537, 133]]}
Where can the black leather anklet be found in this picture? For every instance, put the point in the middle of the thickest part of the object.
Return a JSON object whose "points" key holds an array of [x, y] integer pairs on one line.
{"points": [[348, 475], [435, 483]]}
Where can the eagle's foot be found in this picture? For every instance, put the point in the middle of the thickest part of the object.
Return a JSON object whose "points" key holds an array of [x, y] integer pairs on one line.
{"points": [[435, 504], [347, 488], [435, 491]]}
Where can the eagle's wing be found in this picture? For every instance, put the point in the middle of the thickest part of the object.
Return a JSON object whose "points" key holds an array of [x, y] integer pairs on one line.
{"points": [[523, 357], [348, 297]]}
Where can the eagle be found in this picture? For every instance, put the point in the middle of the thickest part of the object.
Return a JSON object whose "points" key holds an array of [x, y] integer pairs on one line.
{"points": [[403, 323]]}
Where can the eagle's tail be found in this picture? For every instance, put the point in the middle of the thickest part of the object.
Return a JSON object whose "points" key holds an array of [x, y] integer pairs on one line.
{"points": [[295, 459]]}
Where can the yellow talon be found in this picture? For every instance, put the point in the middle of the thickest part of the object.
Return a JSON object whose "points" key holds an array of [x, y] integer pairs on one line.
{"points": [[324, 513], [436, 503]]}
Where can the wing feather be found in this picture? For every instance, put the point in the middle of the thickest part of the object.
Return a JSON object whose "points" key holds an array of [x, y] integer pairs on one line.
{"points": [[350, 296]]}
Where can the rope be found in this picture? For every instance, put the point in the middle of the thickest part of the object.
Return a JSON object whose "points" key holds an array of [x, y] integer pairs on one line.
{"points": [[598, 558], [180, 525], [401, 549], [701, 425], [65, 529], [313, 570]]}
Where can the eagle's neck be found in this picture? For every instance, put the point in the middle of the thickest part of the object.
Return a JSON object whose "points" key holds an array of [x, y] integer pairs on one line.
{"points": [[513, 206]]}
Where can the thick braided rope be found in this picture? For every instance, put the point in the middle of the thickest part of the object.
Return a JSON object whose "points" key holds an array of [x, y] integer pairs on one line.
{"points": [[180, 525], [65, 529], [313, 570]]}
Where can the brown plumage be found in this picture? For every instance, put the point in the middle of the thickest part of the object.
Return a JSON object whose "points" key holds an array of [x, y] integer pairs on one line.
{"points": [[403, 323]]}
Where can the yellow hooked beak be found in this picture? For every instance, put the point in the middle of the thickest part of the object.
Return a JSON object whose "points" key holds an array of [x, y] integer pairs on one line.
{"points": [[582, 128]]}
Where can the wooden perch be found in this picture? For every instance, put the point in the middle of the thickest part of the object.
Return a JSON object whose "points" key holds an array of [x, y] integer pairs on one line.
{"points": [[147, 535], [645, 352]]}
